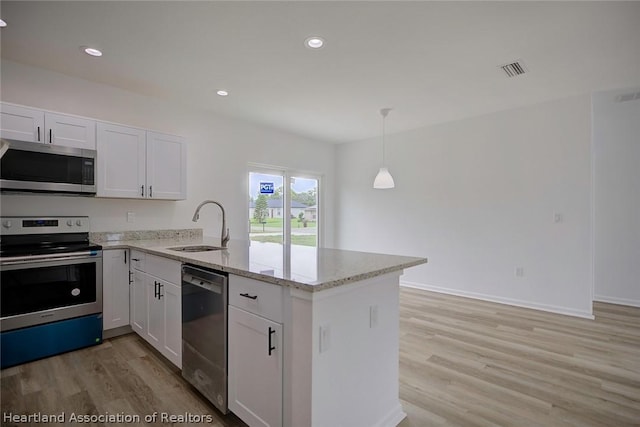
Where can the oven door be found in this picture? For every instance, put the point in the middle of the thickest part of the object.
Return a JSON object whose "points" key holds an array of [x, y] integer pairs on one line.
{"points": [[42, 289]]}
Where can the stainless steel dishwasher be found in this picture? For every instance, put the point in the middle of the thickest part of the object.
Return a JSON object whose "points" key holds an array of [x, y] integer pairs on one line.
{"points": [[204, 332]]}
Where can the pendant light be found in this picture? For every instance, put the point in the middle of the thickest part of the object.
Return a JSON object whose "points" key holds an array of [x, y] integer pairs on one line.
{"points": [[383, 179]]}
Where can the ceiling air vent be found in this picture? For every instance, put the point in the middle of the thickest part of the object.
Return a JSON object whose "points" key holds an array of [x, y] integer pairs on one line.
{"points": [[628, 97], [514, 69]]}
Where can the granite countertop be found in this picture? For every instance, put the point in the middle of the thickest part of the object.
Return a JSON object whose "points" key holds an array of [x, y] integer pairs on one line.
{"points": [[302, 267]]}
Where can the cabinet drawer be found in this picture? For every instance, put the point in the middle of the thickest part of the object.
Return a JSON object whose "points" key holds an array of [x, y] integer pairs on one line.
{"points": [[137, 259], [163, 268], [254, 296]]}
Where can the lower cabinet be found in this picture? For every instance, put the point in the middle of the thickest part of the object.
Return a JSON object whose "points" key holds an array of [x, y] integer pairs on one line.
{"points": [[138, 301], [164, 328], [255, 357], [115, 288], [156, 305]]}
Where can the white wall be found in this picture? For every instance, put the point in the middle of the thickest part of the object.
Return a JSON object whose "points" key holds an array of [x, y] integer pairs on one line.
{"points": [[616, 148], [219, 150], [478, 197]]}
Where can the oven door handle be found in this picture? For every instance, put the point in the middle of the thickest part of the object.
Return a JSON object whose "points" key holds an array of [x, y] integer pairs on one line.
{"points": [[50, 257]]}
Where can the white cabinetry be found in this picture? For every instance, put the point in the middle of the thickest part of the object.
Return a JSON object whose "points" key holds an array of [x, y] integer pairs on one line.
{"points": [[134, 163], [121, 161], [156, 303], [255, 351], [21, 123], [115, 288], [30, 124], [166, 171]]}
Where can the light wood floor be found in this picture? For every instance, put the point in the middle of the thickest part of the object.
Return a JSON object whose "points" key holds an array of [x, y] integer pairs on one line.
{"points": [[469, 363], [463, 363]]}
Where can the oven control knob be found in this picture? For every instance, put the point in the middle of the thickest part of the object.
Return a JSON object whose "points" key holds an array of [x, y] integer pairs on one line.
{"points": [[6, 224], [79, 223], [69, 222]]}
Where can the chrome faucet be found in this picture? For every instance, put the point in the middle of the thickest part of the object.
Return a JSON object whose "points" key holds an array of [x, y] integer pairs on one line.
{"points": [[224, 236]]}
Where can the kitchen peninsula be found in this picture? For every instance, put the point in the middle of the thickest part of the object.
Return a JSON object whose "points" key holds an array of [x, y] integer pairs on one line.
{"points": [[333, 316]]}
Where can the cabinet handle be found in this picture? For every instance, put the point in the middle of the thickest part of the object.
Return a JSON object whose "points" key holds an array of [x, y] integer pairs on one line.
{"points": [[142, 189], [155, 289], [50, 136], [249, 296], [38, 133], [125, 256], [160, 287], [151, 191], [271, 347]]}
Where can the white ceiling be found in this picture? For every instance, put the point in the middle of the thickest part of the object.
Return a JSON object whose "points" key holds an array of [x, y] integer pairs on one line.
{"points": [[430, 61]]}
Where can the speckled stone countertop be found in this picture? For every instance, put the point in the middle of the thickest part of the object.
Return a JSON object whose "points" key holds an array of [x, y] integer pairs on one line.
{"points": [[302, 267]]}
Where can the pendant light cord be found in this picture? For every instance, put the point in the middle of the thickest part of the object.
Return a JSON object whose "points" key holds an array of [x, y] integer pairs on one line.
{"points": [[383, 113]]}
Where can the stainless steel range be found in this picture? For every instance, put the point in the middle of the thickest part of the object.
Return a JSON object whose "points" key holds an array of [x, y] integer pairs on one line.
{"points": [[51, 287]]}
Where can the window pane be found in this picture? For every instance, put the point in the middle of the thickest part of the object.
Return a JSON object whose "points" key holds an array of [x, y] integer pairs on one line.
{"points": [[266, 207], [304, 211]]}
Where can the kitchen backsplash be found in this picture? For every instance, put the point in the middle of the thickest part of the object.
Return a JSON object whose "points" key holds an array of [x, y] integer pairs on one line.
{"points": [[109, 236]]}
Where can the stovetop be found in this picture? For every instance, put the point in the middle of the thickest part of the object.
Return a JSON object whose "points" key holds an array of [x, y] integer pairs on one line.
{"points": [[26, 236]]}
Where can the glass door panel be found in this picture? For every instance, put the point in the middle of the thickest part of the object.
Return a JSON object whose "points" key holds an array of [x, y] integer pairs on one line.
{"points": [[266, 207], [304, 211]]}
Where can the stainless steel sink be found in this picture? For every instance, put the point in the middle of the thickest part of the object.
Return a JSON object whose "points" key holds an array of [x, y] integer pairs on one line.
{"points": [[196, 248]]}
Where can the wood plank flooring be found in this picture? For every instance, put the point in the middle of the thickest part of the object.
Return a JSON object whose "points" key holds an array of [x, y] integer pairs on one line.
{"points": [[123, 375], [463, 362]]}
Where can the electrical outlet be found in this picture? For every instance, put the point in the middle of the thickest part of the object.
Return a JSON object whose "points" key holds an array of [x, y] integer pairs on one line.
{"points": [[519, 271], [131, 217], [373, 316], [325, 338]]}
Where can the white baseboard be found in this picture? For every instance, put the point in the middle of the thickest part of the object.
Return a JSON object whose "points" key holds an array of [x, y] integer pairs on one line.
{"points": [[393, 418], [501, 300], [615, 300]]}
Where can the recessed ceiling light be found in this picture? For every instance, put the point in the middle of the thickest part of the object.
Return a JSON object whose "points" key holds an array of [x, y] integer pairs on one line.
{"points": [[222, 93], [91, 51], [2, 24], [314, 42]]}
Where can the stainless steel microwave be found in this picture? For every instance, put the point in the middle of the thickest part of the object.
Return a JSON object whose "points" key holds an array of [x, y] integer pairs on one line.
{"points": [[37, 167]]}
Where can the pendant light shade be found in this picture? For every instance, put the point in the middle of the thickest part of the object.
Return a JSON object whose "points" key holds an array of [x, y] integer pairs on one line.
{"points": [[384, 179]]}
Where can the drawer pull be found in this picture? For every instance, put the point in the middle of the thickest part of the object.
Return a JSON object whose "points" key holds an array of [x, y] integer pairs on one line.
{"points": [[249, 296]]}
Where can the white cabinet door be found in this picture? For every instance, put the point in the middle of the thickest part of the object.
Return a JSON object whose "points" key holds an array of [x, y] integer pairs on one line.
{"points": [[115, 288], [172, 296], [70, 131], [155, 314], [21, 123], [166, 167], [138, 301], [121, 161], [255, 368]]}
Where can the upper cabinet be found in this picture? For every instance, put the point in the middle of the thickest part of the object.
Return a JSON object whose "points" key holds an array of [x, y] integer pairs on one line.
{"points": [[166, 167], [33, 125], [134, 163], [21, 123]]}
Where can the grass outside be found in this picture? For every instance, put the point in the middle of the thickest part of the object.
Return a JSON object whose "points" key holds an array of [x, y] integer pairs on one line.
{"points": [[277, 223], [296, 239]]}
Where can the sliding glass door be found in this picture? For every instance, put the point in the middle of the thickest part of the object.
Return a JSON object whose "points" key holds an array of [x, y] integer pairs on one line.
{"points": [[284, 214]]}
